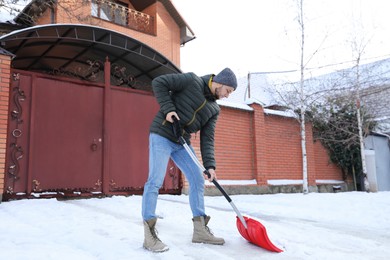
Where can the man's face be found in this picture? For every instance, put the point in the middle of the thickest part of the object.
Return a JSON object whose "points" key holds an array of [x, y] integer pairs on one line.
{"points": [[223, 91]]}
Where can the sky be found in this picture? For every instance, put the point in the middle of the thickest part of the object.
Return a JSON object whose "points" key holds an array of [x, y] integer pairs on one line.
{"points": [[263, 36], [6, 14], [316, 226]]}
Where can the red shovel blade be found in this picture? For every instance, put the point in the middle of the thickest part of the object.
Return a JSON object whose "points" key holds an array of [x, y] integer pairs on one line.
{"points": [[256, 234]]}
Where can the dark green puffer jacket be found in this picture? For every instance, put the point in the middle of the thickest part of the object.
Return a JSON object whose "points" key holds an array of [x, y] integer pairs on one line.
{"points": [[191, 98]]}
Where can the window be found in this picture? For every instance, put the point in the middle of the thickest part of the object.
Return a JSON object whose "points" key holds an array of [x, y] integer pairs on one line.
{"points": [[114, 11]]}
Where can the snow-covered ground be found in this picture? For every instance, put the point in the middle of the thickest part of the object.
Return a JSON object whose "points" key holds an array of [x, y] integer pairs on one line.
{"points": [[352, 225]]}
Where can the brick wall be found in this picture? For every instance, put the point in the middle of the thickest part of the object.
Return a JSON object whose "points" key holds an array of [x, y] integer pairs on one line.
{"points": [[5, 63], [233, 137], [253, 145], [234, 153], [167, 41], [325, 169], [283, 150]]}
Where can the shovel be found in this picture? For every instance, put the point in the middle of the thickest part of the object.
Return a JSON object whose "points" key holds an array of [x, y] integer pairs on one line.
{"points": [[252, 230]]}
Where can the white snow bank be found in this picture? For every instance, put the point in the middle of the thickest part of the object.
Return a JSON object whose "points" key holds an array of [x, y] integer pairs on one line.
{"points": [[346, 225], [233, 182]]}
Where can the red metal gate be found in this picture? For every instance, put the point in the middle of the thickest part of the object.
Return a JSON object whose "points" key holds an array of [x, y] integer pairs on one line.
{"points": [[70, 138], [65, 150]]}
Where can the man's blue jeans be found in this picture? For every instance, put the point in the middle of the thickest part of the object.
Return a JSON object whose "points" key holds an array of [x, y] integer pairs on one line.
{"points": [[160, 150]]}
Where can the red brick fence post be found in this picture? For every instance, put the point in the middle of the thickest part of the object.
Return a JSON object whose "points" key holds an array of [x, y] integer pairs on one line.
{"points": [[5, 71]]}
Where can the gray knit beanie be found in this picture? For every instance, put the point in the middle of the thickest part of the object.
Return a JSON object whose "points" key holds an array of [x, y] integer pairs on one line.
{"points": [[226, 77]]}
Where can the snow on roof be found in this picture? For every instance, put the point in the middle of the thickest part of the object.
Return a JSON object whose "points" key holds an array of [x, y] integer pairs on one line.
{"points": [[380, 134], [257, 89], [299, 182], [225, 103], [374, 81], [232, 182], [284, 182], [287, 113], [370, 74], [260, 93], [9, 9]]}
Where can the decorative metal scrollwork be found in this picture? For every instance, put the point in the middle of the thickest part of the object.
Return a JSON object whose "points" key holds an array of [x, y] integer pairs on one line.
{"points": [[140, 20], [16, 155], [98, 184], [36, 184], [16, 151], [120, 77], [112, 184], [16, 76], [174, 176], [93, 71], [90, 71], [19, 96], [10, 190], [123, 15]]}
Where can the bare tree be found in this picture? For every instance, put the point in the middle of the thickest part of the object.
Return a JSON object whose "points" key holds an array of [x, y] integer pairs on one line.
{"points": [[350, 84], [299, 94], [358, 46], [308, 92], [302, 103], [295, 95]]}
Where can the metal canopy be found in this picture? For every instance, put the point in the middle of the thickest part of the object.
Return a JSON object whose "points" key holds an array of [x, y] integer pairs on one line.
{"points": [[80, 51]]}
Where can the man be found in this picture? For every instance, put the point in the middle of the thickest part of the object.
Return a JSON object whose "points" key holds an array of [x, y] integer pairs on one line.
{"points": [[192, 100]]}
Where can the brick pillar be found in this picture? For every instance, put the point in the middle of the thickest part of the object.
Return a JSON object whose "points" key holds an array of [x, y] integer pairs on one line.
{"points": [[5, 71], [259, 145]]}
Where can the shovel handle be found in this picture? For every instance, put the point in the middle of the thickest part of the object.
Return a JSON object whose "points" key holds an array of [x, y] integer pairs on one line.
{"points": [[219, 187], [177, 130]]}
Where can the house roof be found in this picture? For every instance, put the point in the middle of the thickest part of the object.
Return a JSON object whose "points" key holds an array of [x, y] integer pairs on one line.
{"points": [[374, 88], [254, 88], [5, 52], [186, 33], [74, 48], [370, 74], [380, 135]]}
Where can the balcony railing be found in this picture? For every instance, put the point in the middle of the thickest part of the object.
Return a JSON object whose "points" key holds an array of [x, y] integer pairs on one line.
{"points": [[122, 15]]}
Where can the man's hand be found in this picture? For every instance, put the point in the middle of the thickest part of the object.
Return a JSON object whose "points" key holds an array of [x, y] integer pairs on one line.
{"points": [[213, 175], [169, 116]]}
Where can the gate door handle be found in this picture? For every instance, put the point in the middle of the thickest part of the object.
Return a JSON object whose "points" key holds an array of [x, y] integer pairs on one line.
{"points": [[94, 145]]}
